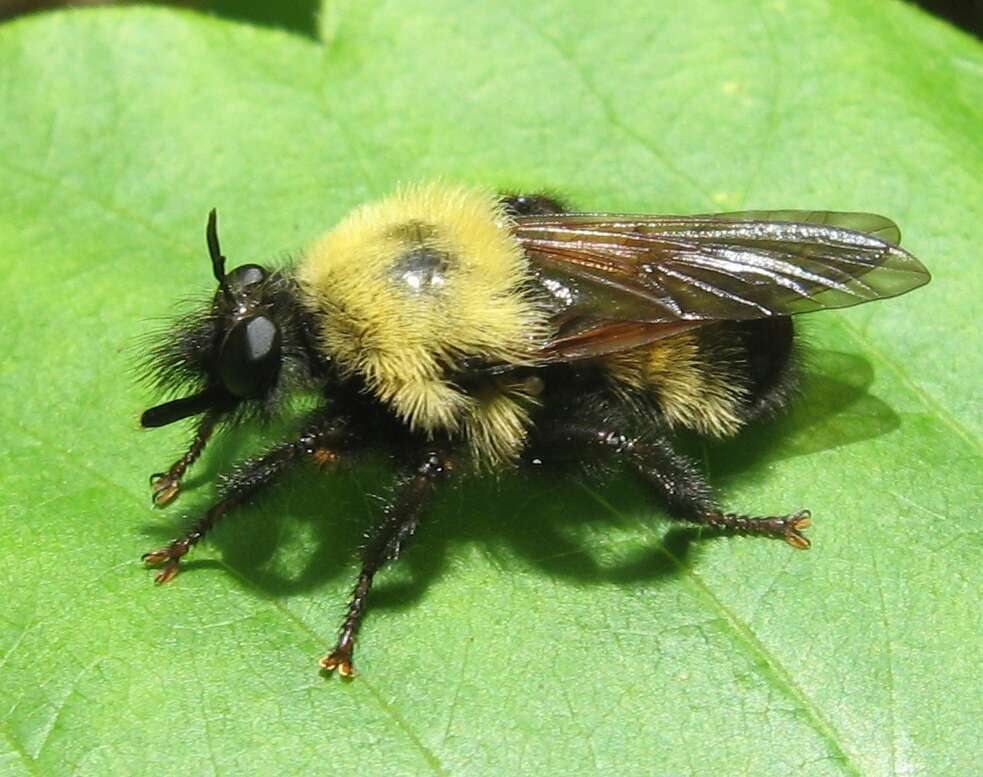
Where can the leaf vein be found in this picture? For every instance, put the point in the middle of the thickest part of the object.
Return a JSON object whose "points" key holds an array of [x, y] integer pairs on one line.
{"points": [[777, 675], [15, 746], [608, 110]]}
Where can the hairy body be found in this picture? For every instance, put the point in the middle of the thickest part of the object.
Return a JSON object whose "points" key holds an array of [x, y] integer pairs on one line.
{"points": [[439, 325]]}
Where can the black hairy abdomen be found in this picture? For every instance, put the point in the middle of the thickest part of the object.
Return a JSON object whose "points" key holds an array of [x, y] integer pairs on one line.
{"points": [[768, 360]]}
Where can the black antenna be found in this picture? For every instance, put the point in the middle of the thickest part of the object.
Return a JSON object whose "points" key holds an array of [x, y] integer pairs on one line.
{"points": [[218, 261]]}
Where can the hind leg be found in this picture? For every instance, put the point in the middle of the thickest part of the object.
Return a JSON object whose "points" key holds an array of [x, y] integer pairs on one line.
{"points": [[676, 479]]}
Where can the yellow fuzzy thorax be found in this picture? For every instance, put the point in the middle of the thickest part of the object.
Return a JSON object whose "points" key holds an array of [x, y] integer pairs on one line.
{"points": [[407, 288]]}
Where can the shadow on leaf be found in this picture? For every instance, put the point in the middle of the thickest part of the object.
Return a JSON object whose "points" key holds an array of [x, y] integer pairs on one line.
{"points": [[299, 16], [834, 409]]}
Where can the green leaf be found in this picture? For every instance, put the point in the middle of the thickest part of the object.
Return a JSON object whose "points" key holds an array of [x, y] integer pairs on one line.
{"points": [[546, 626]]}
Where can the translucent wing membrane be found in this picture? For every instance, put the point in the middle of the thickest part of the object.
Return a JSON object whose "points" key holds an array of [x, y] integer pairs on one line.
{"points": [[656, 271], [869, 223]]}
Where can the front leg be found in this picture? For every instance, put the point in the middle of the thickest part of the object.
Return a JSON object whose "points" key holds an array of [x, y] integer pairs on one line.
{"points": [[399, 524], [324, 440], [166, 485], [681, 485]]}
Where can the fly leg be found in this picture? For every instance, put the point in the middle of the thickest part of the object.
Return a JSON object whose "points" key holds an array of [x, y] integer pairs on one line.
{"points": [[676, 479], [166, 485], [322, 441], [399, 523]]}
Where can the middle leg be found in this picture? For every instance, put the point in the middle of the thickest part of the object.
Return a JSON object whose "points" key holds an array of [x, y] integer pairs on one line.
{"points": [[399, 524]]}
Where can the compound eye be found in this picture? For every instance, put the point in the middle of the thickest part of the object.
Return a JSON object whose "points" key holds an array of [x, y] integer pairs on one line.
{"points": [[249, 358], [245, 275]]}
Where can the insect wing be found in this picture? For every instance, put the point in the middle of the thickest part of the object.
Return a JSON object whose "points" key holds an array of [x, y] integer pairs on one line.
{"points": [[658, 272], [590, 337], [715, 267]]}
